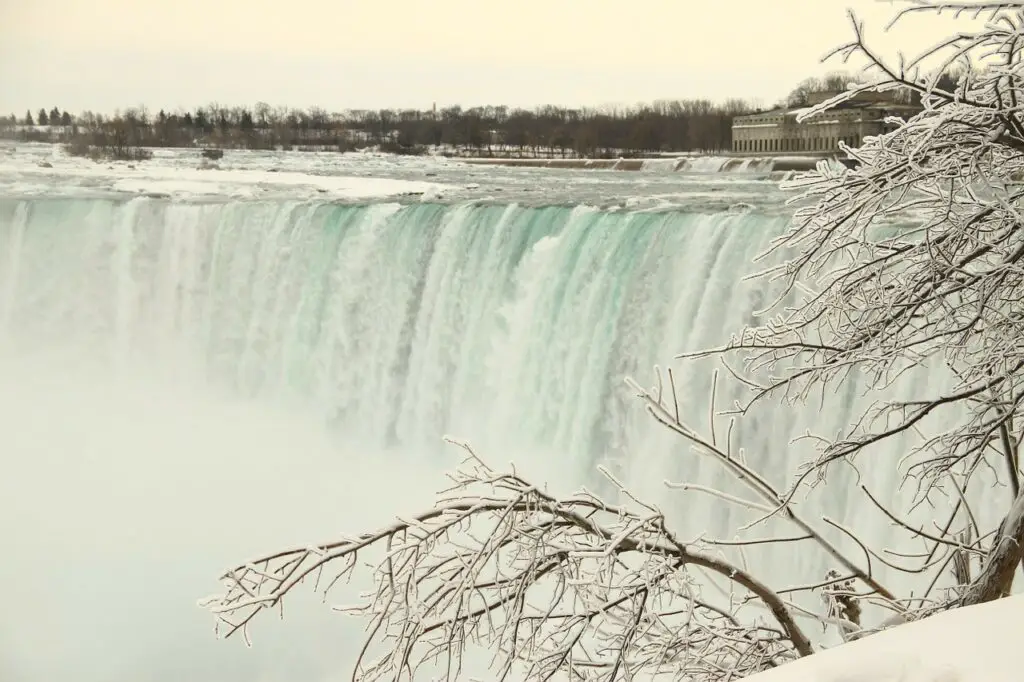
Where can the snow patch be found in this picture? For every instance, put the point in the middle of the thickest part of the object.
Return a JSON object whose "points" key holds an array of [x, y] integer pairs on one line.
{"points": [[179, 182], [972, 644]]}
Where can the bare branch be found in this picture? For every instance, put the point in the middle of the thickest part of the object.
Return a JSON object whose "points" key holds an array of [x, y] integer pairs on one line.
{"points": [[532, 545]]}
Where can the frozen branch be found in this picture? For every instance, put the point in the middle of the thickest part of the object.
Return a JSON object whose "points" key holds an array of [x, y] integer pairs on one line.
{"points": [[547, 582], [912, 261]]}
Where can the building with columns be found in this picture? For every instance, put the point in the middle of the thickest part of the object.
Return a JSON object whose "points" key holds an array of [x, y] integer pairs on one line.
{"points": [[777, 133]]}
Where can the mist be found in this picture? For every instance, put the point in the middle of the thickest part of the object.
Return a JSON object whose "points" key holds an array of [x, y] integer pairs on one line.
{"points": [[125, 497]]}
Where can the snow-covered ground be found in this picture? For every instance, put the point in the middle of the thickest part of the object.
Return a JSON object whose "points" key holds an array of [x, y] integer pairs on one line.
{"points": [[242, 184], [975, 644], [45, 170]]}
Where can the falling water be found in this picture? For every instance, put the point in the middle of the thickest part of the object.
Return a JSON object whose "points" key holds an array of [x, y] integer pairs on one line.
{"points": [[188, 384]]}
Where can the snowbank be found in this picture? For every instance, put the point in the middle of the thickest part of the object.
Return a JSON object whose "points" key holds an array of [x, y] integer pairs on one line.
{"points": [[975, 644], [167, 176], [182, 181], [33, 170]]}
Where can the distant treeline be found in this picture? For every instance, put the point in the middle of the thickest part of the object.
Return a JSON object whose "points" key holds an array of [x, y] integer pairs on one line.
{"points": [[694, 125], [685, 125]]}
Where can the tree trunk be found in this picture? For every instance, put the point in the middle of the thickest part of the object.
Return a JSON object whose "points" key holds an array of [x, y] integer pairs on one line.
{"points": [[996, 577]]}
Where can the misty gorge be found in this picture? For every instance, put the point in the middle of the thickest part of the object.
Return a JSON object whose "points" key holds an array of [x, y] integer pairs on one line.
{"points": [[206, 380]]}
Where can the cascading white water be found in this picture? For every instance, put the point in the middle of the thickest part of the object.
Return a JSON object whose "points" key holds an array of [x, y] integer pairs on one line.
{"points": [[189, 384], [725, 164], [666, 165], [511, 327]]}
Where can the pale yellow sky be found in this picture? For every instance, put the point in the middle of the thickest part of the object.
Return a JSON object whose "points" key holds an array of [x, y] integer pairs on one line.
{"points": [[108, 54]]}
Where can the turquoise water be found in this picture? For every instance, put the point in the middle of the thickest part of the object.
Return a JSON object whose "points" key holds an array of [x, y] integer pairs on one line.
{"points": [[396, 324]]}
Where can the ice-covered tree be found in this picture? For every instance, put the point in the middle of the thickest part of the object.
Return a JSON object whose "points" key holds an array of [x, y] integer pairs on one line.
{"points": [[940, 292], [912, 261]]}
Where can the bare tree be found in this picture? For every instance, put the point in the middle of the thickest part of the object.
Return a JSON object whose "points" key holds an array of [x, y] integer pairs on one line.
{"points": [[834, 82], [577, 585], [940, 293], [547, 583], [912, 262]]}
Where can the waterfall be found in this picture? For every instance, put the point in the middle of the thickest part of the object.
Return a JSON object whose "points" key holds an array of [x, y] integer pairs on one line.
{"points": [[509, 326], [228, 377]]}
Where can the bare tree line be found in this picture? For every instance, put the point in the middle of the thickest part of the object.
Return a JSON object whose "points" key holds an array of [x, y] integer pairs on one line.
{"points": [[663, 126], [686, 125]]}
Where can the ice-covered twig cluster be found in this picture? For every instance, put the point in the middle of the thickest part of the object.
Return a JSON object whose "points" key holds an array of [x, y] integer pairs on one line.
{"points": [[912, 261], [945, 563], [572, 585], [582, 587]]}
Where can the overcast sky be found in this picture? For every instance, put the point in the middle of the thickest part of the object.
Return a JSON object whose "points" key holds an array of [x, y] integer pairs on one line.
{"points": [[109, 54]]}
